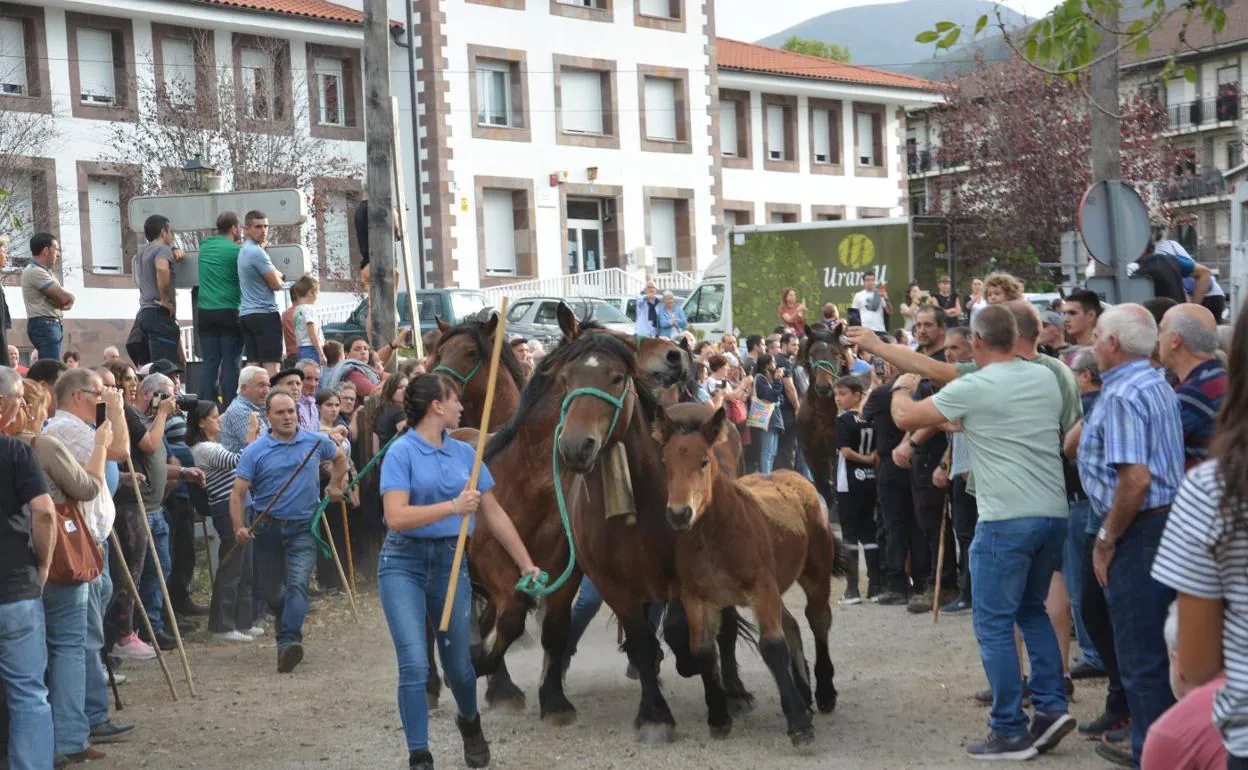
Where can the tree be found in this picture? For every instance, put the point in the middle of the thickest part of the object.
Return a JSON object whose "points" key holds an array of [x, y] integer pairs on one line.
{"points": [[817, 48], [23, 135]]}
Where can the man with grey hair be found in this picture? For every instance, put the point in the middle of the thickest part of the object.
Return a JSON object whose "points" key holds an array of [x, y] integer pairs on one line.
{"points": [[1188, 346], [1130, 455], [253, 387], [111, 355], [309, 415]]}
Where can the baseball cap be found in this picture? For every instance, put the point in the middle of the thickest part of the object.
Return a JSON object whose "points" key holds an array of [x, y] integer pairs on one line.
{"points": [[164, 366]]}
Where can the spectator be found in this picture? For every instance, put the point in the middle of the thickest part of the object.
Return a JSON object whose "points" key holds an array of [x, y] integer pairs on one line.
{"points": [[290, 381], [1131, 462], [953, 474], [1002, 287], [309, 418], [1053, 335], [285, 550], [180, 510], [46, 300], [258, 279], [947, 301], [346, 408], [855, 486], [111, 355], [156, 333], [1165, 272], [15, 360], [6, 318], [975, 301], [1082, 310], [218, 298], [329, 406], [253, 388], [768, 388], [792, 313], [895, 497], [71, 358], [333, 353], [672, 320], [1188, 346], [46, 371], [790, 374], [307, 335], [648, 304], [354, 368], [914, 300], [754, 347], [520, 347], [831, 315], [230, 613], [391, 420], [27, 535], [1006, 410], [871, 304]]}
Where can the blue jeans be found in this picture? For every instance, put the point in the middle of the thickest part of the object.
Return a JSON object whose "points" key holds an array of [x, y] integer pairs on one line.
{"points": [[221, 343], [23, 662], [1137, 610], [65, 619], [588, 602], [1012, 564], [768, 449], [1072, 574], [149, 582], [99, 596], [285, 554], [412, 578], [46, 335]]}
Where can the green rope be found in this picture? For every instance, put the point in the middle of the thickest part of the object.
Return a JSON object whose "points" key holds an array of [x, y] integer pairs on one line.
{"points": [[823, 363], [541, 586], [462, 379], [320, 510]]}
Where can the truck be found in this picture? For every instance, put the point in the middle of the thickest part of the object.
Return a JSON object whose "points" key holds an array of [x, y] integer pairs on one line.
{"points": [[822, 261], [451, 305]]}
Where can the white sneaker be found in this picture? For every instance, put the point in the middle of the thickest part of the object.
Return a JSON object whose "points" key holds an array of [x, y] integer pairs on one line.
{"points": [[133, 648], [231, 636], [254, 631], [119, 679]]}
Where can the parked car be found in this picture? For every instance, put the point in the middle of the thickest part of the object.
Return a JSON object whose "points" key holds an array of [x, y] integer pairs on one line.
{"points": [[628, 304], [451, 305], [537, 317]]}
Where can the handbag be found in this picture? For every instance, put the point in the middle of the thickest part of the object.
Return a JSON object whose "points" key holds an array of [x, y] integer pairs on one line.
{"points": [[760, 411], [736, 411], [76, 558]]}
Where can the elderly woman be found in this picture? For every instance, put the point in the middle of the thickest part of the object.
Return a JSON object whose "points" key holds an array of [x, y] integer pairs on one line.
{"points": [[672, 320], [355, 369]]}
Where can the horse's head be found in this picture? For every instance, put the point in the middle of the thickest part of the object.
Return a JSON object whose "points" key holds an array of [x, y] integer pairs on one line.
{"points": [[661, 362], [821, 353], [596, 371], [687, 437], [463, 351]]}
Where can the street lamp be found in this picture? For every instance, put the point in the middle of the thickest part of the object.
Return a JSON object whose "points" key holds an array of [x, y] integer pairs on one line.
{"points": [[200, 172]]}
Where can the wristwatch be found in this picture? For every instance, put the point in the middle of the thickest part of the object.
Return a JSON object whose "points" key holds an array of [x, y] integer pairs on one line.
{"points": [[1104, 536], [913, 445]]}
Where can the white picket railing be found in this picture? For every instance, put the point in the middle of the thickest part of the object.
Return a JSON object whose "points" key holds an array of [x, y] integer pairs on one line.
{"points": [[611, 282], [335, 314]]}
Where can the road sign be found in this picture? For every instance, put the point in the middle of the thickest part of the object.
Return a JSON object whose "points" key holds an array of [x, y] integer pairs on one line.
{"points": [[283, 206], [1138, 289], [1115, 227], [290, 259]]}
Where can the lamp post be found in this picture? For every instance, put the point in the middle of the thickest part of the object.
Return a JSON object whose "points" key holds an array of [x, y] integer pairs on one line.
{"points": [[199, 171]]}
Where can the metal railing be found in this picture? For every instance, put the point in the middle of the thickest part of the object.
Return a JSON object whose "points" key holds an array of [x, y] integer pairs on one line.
{"points": [[918, 161], [1202, 183], [336, 313], [610, 282], [1213, 109]]}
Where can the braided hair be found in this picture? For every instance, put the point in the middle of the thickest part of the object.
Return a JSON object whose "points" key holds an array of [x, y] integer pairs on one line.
{"points": [[422, 391]]}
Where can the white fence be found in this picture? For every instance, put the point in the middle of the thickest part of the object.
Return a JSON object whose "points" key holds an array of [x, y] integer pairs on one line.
{"points": [[325, 314], [611, 282]]}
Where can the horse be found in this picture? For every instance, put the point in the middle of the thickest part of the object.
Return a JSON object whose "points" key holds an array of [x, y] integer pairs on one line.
{"points": [[746, 541], [816, 419], [463, 354], [519, 457]]}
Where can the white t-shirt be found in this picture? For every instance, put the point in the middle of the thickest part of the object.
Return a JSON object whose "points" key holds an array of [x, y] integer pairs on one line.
{"points": [[871, 319], [304, 315]]}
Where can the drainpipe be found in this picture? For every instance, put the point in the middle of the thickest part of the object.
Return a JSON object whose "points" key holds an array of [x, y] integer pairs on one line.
{"points": [[411, 85]]}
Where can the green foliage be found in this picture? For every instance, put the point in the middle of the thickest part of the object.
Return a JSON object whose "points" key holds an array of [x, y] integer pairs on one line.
{"points": [[764, 266], [817, 48]]}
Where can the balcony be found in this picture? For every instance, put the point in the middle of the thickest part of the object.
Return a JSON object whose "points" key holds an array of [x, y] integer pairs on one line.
{"points": [[1202, 183], [1186, 116], [918, 161]]}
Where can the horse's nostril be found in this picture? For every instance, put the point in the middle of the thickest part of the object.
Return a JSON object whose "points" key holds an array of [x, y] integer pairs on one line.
{"points": [[589, 446], [674, 357]]}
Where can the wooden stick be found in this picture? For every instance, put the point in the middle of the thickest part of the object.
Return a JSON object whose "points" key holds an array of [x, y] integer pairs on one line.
{"points": [[138, 603], [500, 339], [940, 561], [333, 551], [212, 578], [346, 534], [164, 587], [316, 445]]}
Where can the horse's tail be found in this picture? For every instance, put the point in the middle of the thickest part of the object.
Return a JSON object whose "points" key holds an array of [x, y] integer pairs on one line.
{"points": [[842, 557], [746, 631]]}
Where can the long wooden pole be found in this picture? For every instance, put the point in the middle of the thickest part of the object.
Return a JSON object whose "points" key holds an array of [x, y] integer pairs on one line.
{"points": [[265, 513], [164, 587], [333, 551], [346, 534], [500, 339], [940, 561], [138, 603]]}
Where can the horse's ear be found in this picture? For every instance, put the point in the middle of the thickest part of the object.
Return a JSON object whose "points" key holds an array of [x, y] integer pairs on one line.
{"points": [[713, 429], [683, 342], [491, 324], [443, 325], [811, 334], [660, 429], [568, 322]]}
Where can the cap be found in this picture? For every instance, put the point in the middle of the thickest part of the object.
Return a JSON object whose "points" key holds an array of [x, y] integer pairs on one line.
{"points": [[283, 374], [164, 366], [1051, 317]]}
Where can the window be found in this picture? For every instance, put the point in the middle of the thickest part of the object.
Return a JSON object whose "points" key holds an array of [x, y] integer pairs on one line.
{"points": [[775, 132], [1234, 154], [14, 80], [518, 311], [104, 207], [666, 15], [547, 314], [494, 93], [825, 136], [584, 3], [336, 231], [331, 104], [728, 129], [706, 305], [18, 208], [866, 150], [582, 102], [178, 61], [500, 232], [586, 113], [869, 140], [821, 136], [259, 86], [663, 240], [730, 218], [780, 132], [97, 84], [660, 96], [660, 8], [779, 218], [590, 10]]}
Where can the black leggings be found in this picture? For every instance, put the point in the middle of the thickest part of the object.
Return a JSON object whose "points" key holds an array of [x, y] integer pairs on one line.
{"points": [[856, 510]]}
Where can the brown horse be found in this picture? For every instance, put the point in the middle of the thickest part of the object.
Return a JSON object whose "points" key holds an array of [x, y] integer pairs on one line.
{"points": [[816, 420], [746, 542], [463, 354], [519, 456]]}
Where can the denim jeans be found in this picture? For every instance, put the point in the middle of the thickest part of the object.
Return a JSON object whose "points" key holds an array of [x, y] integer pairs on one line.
{"points": [[46, 335], [1012, 564], [221, 341], [1137, 609], [412, 576], [65, 619], [770, 440], [231, 608], [99, 594], [1072, 574], [149, 583], [23, 662], [285, 554]]}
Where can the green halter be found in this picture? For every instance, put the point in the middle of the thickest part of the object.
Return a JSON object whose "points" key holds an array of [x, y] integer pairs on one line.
{"points": [[462, 379], [541, 586], [823, 363]]}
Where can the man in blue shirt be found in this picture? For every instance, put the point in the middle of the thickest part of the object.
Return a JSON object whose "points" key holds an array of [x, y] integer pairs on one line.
{"points": [[257, 280], [1131, 463], [285, 549]]}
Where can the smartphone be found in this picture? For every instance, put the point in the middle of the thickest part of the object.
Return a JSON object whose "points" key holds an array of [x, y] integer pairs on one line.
{"points": [[855, 317], [101, 414]]}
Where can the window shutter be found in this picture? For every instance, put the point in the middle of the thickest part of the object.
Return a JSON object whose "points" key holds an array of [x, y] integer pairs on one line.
{"points": [[95, 67], [877, 138], [500, 233], [257, 78], [819, 125], [660, 8], [104, 208], [329, 79], [663, 233], [13, 58], [337, 237], [866, 139], [775, 132], [179, 63], [581, 96], [661, 108], [493, 93], [728, 129], [19, 206]]}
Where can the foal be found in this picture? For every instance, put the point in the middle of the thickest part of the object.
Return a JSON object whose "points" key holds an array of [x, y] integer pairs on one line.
{"points": [[746, 542]]}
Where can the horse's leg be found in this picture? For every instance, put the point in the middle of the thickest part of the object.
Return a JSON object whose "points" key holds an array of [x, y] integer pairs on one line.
{"points": [[774, 648], [819, 615], [433, 684], [797, 654], [654, 721], [501, 692], [502, 626], [556, 624], [703, 628], [740, 701], [676, 633]]}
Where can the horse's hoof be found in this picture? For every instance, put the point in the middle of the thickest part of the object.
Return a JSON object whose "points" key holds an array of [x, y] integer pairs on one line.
{"points": [[827, 704], [803, 737], [561, 717], [740, 704], [652, 734], [507, 702], [721, 731]]}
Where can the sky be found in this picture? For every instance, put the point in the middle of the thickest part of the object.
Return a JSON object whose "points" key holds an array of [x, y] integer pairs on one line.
{"points": [[755, 19]]}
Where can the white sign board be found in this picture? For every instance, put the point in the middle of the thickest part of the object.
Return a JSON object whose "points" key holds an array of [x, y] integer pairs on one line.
{"points": [[283, 206], [290, 259]]}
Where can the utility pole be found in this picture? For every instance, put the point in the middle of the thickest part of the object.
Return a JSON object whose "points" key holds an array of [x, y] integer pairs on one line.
{"points": [[379, 124], [1106, 124]]}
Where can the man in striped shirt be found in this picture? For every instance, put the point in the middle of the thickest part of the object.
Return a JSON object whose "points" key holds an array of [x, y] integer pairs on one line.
{"points": [[1188, 347], [1131, 462], [253, 388]]}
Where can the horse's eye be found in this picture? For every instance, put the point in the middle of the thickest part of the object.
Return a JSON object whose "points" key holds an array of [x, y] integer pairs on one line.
{"points": [[617, 379], [706, 463]]}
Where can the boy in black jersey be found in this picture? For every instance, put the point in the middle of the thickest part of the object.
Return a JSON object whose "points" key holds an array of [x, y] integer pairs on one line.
{"points": [[855, 485]]}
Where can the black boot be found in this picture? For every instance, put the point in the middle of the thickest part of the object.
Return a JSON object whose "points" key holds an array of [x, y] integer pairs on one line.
{"points": [[420, 759], [852, 596], [873, 572], [476, 750]]}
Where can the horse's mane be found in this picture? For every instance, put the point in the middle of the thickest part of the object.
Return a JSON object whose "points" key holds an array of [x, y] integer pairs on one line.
{"points": [[543, 380], [476, 330]]}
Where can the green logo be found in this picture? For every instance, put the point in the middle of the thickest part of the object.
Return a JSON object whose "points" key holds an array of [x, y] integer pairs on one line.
{"points": [[856, 251]]}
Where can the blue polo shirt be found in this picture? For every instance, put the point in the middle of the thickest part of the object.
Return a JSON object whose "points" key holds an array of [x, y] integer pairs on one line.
{"points": [[432, 475], [268, 461]]}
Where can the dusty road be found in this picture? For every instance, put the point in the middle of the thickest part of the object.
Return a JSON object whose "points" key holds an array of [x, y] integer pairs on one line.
{"points": [[905, 687]]}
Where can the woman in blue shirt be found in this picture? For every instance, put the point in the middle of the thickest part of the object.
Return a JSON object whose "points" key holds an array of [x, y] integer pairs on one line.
{"points": [[672, 320], [770, 388], [423, 480]]}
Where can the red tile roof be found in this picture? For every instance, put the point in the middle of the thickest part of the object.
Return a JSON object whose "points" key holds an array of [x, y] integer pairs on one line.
{"points": [[751, 57], [308, 9]]}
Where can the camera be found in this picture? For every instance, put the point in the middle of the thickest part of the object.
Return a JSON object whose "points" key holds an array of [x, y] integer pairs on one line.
{"points": [[186, 402]]}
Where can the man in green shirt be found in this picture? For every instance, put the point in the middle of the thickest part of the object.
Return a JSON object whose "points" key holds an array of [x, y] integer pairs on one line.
{"points": [[217, 299]]}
